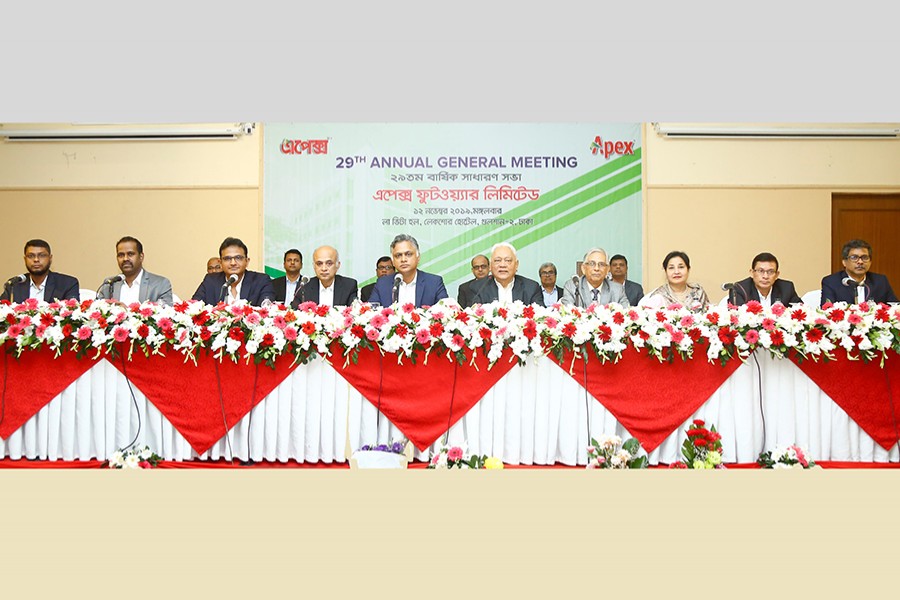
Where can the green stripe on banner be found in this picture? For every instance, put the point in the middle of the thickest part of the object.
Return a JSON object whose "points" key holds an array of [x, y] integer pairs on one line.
{"points": [[273, 272], [446, 257]]}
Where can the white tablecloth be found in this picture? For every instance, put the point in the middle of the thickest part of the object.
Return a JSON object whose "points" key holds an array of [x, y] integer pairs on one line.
{"points": [[536, 414]]}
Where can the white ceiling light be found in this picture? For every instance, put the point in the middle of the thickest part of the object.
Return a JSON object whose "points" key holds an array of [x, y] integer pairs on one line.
{"points": [[127, 133]]}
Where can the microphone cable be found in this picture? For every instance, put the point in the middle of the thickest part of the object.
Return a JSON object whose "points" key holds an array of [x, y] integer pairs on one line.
{"points": [[762, 411], [222, 404], [452, 396], [587, 400], [887, 381], [134, 403], [380, 387], [3, 398], [250, 460]]}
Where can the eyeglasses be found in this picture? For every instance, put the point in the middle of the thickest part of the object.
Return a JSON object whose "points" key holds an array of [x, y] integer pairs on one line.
{"points": [[768, 272], [234, 259], [547, 273], [384, 268], [479, 267], [591, 264], [41, 256], [859, 258]]}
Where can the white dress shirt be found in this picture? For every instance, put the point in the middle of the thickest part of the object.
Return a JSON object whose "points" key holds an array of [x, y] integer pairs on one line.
{"points": [[131, 293], [407, 292], [326, 294], [231, 299], [37, 291], [504, 294]]}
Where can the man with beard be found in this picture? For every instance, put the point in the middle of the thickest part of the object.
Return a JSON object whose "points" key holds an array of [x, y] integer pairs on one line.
{"points": [[41, 282], [135, 284]]}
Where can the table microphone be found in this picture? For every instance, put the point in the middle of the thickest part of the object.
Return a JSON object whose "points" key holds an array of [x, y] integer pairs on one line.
{"points": [[110, 281], [575, 281], [300, 290], [233, 278], [395, 292], [13, 280], [861, 288], [848, 281]]}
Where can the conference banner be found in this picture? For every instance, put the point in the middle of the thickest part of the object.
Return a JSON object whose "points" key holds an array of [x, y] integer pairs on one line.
{"points": [[552, 190]]}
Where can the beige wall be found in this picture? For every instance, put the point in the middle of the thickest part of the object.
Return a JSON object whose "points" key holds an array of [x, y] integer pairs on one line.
{"points": [[180, 198], [723, 201]]}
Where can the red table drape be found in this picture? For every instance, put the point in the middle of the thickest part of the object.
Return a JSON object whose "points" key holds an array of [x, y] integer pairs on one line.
{"points": [[649, 398], [188, 395], [33, 380], [422, 400], [869, 394]]}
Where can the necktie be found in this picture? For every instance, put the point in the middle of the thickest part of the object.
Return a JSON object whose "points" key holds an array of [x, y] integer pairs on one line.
{"points": [[595, 293]]}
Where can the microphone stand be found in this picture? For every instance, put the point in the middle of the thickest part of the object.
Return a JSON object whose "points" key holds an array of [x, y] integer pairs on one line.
{"points": [[579, 302]]}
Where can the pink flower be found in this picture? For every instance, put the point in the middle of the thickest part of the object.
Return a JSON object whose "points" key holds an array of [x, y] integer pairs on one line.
{"points": [[423, 336], [40, 331], [378, 321], [252, 319], [778, 309], [551, 323], [455, 453], [458, 341], [752, 336], [279, 322], [146, 312], [25, 322], [768, 324], [372, 334], [409, 307], [120, 334], [290, 334], [14, 331], [165, 323], [479, 311], [84, 332], [854, 319], [687, 321]]}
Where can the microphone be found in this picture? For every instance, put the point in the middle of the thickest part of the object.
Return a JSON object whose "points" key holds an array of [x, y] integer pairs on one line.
{"points": [[727, 286], [395, 292], [233, 278], [301, 285], [578, 301], [111, 280], [848, 281], [17, 279]]}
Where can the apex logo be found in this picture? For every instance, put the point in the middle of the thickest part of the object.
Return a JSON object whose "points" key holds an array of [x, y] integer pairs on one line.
{"points": [[304, 146], [598, 146]]}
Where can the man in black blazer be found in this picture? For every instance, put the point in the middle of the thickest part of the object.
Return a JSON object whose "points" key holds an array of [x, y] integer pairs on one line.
{"points": [[504, 284], [40, 282], [286, 286], [327, 287], [550, 292], [856, 283], [763, 285], [481, 268], [235, 281], [618, 272], [383, 266]]}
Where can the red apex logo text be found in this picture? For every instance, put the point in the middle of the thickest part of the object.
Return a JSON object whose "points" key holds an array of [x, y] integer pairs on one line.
{"points": [[304, 146], [598, 146]]}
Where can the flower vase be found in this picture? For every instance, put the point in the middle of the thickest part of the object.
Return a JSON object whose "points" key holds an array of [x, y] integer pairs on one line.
{"points": [[376, 459]]}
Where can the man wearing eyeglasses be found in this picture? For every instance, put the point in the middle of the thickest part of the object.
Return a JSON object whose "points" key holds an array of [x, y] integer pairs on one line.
{"points": [[481, 268], [504, 284], [763, 285], [235, 281], [551, 292], [41, 282], [856, 283], [593, 286], [383, 266], [414, 286], [327, 287]]}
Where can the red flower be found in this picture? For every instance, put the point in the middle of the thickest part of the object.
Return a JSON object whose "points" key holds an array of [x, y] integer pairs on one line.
{"points": [[604, 333], [713, 317], [660, 316], [268, 340], [883, 315], [322, 310], [701, 442], [11, 319], [528, 312], [143, 331], [754, 307], [401, 330], [618, 318], [101, 322], [463, 316], [836, 315], [415, 317], [47, 319], [814, 335], [67, 330], [436, 329], [643, 335], [569, 329], [727, 335], [200, 318], [308, 328], [530, 329], [205, 333], [699, 422], [695, 334], [485, 333], [236, 333], [798, 314], [502, 312], [181, 307], [777, 337], [356, 330]]}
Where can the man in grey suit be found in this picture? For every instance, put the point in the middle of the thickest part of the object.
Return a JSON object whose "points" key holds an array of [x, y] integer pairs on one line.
{"points": [[503, 284], [135, 284], [593, 286]]}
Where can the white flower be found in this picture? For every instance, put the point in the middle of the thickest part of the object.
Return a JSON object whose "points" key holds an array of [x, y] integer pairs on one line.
{"points": [[131, 462]]}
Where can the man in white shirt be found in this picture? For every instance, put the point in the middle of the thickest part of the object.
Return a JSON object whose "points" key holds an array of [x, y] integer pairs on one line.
{"points": [[135, 284], [504, 284], [40, 282], [414, 286], [328, 287], [763, 285], [286, 287]]}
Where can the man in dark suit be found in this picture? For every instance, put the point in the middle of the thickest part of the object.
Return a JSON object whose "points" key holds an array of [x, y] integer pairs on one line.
{"points": [[763, 285], [327, 287], [413, 286], [618, 270], [504, 285], [551, 292], [40, 283], [138, 284], [235, 281], [286, 286], [383, 266], [856, 283], [481, 268]]}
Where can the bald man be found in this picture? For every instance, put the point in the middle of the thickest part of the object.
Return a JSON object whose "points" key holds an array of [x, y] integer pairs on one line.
{"points": [[327, 287]]}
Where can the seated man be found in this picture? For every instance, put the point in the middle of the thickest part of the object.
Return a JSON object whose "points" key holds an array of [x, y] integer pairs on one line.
{"points": [[286, 285], [480, 269], [415, 286], [855, 283], [551, 292], [135, 284], [593, 286], [41, 282], [763, 285], [618, 269], [327, 287], [235, 281], [504, 284], [383, 266], [213, 265]]}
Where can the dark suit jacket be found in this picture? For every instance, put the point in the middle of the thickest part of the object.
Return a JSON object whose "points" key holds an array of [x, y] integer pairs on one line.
{"points": [[559, 295], [464, 294], [429, 289], [366, 292], [524, 289], [744, 291], [878, 289], [344, 292], [255, 288], [634, 292], [58, 287], [279, 284]]}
